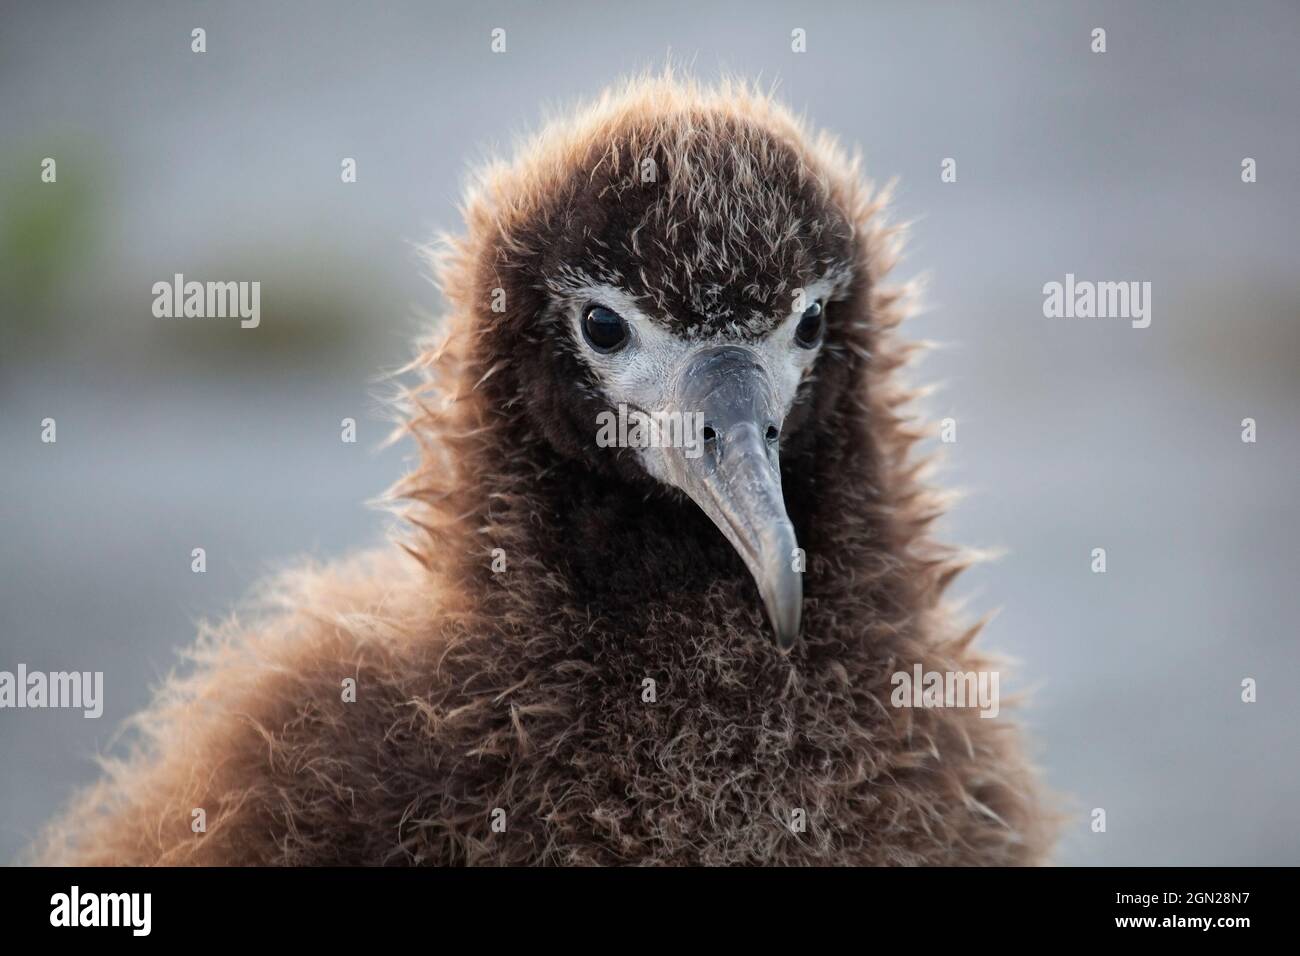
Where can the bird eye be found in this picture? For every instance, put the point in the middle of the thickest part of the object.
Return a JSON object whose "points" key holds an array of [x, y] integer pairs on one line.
{"points": [[809, 330], [604, 329]]}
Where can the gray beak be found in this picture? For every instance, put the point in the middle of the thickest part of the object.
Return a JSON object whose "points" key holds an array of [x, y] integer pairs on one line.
{"points": [[733, 473]]}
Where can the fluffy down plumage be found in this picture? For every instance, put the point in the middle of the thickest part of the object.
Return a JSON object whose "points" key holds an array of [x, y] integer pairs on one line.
{"points": [[522, 691]]}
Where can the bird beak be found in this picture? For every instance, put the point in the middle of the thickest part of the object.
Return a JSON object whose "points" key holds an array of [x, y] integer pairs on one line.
{"points": [[733, 472]]}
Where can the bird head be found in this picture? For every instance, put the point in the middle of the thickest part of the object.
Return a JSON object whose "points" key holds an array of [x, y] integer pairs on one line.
{"points": [[674, 279]]}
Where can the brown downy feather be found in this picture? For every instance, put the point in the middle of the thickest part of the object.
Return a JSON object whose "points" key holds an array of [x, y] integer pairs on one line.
{"points": [[522, 691]]}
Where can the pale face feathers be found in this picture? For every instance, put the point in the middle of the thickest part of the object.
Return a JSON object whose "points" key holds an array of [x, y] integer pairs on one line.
{"points": [[643, 375]]}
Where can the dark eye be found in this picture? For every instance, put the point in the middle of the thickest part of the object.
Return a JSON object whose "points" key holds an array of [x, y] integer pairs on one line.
{"points": [[809, 330], [604, 329]]}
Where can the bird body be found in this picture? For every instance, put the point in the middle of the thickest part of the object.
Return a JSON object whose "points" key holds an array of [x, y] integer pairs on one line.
{"points": [[570, 658]]}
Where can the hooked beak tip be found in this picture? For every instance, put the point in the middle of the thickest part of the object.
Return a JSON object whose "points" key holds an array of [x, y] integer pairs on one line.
{"points": [[783, 596]]}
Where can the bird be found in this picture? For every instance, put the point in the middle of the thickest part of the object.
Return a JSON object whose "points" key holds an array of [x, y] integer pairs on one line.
{"points": [[583, 652]]}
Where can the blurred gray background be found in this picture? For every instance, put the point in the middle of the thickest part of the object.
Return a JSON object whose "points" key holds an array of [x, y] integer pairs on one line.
{"points": [[1072, 434]]}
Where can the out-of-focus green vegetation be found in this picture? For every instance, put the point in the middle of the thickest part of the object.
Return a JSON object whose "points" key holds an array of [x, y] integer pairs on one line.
{"points": [[67, 281], [45, 229]]}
